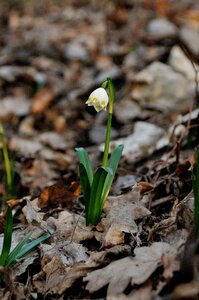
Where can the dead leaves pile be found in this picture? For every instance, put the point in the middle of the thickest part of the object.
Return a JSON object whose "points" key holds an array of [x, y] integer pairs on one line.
{"points": [[48, 66]]}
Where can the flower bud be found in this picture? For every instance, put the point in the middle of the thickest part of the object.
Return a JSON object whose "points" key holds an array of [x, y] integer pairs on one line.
{"points": [[98, 99]]}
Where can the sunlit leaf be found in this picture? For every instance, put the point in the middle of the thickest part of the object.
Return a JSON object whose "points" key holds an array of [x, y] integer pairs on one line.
{"points": [[94, 209], [113, 165], [85, 161], [86, 188]]}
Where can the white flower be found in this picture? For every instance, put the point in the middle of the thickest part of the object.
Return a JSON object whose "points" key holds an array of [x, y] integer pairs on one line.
{"points": [[98, 99]]}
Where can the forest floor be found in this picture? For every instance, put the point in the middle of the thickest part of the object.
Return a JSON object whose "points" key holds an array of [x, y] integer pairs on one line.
{"points": [[53, 54]]}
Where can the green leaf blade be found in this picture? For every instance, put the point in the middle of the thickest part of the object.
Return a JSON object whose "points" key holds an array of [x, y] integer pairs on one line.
{"points": [[21, 249], [85, 161], [85, 184], [13, 254], [7, 237], [113, 165], [94, 208]]}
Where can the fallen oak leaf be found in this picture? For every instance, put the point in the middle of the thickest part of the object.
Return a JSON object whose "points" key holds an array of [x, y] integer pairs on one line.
{"points": [[134, 270], [55, 194], [121, 213]]}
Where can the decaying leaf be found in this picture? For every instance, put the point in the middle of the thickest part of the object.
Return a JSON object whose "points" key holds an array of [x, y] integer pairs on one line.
{"points": [[134, 270], [70, 226], [121, 213], [42, 100], [56, 194], [141, 293]]}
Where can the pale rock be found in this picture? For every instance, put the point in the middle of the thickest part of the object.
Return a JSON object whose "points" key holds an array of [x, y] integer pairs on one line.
{"points": [[27, 147], [190, 37], [55, 140], [127, 110], [76, 50], [14, 105], [161, 28], [181, 63], [141, 142], [159, 86]]}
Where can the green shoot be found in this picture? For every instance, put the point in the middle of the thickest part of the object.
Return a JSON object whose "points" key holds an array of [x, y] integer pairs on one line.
{"points": [[7, 257], [7, 163], [96, 187]]}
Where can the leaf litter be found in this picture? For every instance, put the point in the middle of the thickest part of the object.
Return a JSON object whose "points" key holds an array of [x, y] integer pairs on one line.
{"points": [[50, 61]]}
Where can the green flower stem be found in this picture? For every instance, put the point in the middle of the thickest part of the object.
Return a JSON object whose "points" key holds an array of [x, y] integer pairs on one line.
{"points": [[107, 140], [111, 89], [6, 160]]}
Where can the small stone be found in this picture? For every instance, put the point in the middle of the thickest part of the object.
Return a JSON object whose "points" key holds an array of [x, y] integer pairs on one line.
{"points": [[158, 85], [14, 105], [161, 28], [76, 50], [181, 63], [190, 37], [127, 110], [55, 140]]}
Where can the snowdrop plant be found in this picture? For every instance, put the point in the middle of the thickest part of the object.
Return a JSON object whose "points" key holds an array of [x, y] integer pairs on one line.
{"points": [[96, 185]]}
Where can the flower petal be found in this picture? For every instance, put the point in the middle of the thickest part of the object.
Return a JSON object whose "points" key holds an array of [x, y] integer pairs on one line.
{"points": [[98, 99]]}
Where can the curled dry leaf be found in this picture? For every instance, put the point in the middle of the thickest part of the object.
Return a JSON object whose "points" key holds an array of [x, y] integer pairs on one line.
{"points": [[121, 213], [32, 214], [56, 194], [134, 270]]}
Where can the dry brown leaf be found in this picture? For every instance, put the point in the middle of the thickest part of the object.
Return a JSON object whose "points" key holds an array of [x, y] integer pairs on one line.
{"points": [[70, 226], [32, 214], [56, 194], [39, 174], [13, 202], [188, 290], [171, 264], [141, 293], [134, 270], [42, 100], [121, 213], [69, 252]]}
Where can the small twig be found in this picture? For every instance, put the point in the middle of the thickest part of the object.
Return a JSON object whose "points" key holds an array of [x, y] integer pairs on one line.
{"points": [[161, 201], [196, 76], [73, 232]]}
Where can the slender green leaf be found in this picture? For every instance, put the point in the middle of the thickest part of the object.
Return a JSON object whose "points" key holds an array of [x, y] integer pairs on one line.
{"points": [[111, 89], [7, 237], [94, 208], [26, 248], [13, 254], [85, 161], [113, 165], [86, 189]]}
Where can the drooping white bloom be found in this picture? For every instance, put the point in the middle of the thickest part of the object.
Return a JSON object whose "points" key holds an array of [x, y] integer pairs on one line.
{"points": [[98, 99]]}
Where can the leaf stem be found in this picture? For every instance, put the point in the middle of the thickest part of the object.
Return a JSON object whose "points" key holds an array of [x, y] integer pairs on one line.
{"points": [[107, 140], [6, 160], [109, 123]]}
